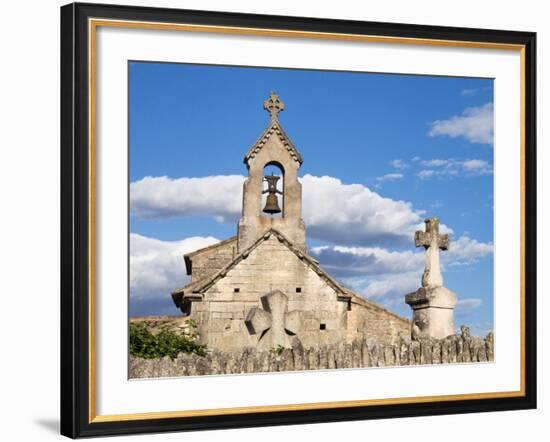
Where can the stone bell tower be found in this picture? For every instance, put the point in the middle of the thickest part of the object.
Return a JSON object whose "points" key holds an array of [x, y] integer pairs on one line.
{"points": [[273, 148]]}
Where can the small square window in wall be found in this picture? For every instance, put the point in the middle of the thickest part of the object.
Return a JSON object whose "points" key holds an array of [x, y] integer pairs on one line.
{"points": [[322, 326], [236, 289], [298, 289]]}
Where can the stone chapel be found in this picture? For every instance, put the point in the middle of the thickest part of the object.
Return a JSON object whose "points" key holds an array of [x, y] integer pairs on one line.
{"points": [[261, 289]]}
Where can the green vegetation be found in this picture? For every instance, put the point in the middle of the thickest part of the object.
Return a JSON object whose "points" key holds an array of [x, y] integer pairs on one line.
{"points": [[147, 345]]}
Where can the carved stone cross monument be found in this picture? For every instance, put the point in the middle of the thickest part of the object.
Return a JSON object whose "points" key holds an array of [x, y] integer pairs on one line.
{"points": [[274, 105], [432, 304], [432, 241], [274, 324]]}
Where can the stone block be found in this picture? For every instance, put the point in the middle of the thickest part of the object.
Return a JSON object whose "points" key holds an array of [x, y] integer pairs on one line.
{"points": [[222, 315], [219, 325], [310, 324], [432, 311]]}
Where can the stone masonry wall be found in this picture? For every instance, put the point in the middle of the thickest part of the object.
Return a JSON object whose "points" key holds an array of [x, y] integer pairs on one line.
{"points": [[208, 262], [375, 323], [358, 354]]}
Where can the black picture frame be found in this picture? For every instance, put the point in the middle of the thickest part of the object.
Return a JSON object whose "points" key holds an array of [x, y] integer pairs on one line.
{"points": [[76, 418]]}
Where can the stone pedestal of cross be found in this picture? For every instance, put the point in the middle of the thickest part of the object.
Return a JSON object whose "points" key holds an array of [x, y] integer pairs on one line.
{"points": [[273, 324], [433, 305]]}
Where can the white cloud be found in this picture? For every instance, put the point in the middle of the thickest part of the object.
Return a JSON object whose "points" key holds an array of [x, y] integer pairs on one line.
{"points": [[387, 289], [468, 303], [157, 267], [424, 174], [434, 163], [163, 197], [388, 178], [452, 168], [475, 124], [333, 211], [383, 286], [399, 164], [475, 165], [353, 214], [466, 250]]}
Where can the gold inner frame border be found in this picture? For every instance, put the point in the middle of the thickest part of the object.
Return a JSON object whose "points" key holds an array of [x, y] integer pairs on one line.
{"points": [[93, 24]]}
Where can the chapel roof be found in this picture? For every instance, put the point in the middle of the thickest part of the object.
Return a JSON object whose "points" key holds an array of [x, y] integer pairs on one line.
{"points": [[364, 302], [204, 284], [188, 257]]}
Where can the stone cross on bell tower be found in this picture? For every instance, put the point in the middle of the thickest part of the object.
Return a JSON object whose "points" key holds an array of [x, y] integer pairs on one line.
{"points": [[432, 304], [274, 105], [432, 241]]}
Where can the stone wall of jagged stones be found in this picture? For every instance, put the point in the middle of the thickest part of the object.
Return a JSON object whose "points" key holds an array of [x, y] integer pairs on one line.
{"points": [[453, 349]]}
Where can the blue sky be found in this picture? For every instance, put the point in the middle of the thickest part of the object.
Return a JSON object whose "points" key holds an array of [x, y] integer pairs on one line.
{"points": [[404, 146]]}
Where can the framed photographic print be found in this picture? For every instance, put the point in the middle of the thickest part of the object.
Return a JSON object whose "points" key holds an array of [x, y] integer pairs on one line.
{"points": [[275, 220]]}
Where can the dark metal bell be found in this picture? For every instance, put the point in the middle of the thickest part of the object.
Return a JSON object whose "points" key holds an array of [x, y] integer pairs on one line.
{"points": [[272, 204]]}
